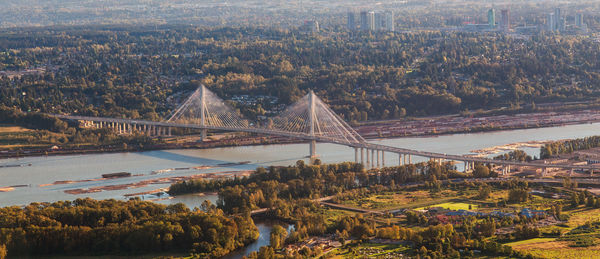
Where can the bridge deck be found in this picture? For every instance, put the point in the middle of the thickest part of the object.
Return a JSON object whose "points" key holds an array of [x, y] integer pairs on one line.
{"points": [[326, 139]]}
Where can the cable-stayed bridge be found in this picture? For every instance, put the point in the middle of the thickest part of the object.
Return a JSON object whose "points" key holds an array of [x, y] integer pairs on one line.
{"points": [[308, 119]]}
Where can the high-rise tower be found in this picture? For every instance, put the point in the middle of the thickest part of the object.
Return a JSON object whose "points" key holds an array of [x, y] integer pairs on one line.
{"points": [[492, 18], [505, 19], [351, 21]]}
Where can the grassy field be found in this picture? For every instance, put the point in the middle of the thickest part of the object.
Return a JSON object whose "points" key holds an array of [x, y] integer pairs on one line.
{"points": [[6, 128], [397, 200], [530, 241], [551, 248], [332, 215], [12, 137], [453, 206], [369, 250], [581, 216]]}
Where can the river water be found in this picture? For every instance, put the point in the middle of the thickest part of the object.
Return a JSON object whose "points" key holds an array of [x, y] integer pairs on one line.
{"points": [[47, 170]]}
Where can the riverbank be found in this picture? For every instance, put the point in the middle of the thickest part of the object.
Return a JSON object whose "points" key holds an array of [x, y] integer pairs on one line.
{"points": [[414, 127]]}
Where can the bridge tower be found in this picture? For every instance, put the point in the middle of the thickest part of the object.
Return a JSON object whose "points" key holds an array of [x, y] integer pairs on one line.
{"points": [[203, 111], [311, 121]]}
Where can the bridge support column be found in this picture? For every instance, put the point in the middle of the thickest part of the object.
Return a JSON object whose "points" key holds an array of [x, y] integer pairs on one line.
{"points": [[382, 158], [169, 132], [400, 162], [362, 156], [372, 158], [356, 155], [313, 151], [543, 171], [378, 151], [409, 159], [368, 161]]}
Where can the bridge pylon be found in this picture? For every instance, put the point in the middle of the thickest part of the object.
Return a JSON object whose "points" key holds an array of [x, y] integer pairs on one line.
{"points": [[311, 117], [312, 120], [205, 109]]}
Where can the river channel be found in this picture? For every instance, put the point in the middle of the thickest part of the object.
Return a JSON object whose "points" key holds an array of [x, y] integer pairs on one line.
{"points": [[36, 173]]}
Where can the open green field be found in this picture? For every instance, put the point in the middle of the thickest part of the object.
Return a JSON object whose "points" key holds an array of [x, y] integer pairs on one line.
{"points": [[7, 128], [454, 206], [12, 136], [370, 250], [580, 216], [398, 200], [531, 241], [552, 248]]}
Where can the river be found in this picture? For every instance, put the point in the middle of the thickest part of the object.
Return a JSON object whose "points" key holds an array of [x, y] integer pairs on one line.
{"points": [[38, 171]]}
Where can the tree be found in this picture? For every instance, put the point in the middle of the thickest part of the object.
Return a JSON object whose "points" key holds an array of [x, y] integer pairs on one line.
{"points": [[278, 235], [3, 251], [484, 192], [481, 171], [518, 195]]}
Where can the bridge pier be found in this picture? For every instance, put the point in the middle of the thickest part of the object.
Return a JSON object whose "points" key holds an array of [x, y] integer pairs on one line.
{"points": [[382, 158], [356, 155], [400, 160], [372, 158], [377, 158], [313, 151], [203, 134], [169, 132], [368, 161], [409, 159], [362, 156]]}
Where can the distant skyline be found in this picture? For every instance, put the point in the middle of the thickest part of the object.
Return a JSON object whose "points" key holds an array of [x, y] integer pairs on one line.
{"points": [[19, 13]]}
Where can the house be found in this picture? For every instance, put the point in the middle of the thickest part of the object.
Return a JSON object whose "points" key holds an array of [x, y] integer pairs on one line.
{"points": [[500, 214], [529, 213]]}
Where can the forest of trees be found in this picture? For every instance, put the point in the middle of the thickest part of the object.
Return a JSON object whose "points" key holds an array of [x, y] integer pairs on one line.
{"points": [[137, 72], [568, 146], [91, 227], [287, 193], [53, 131]]}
